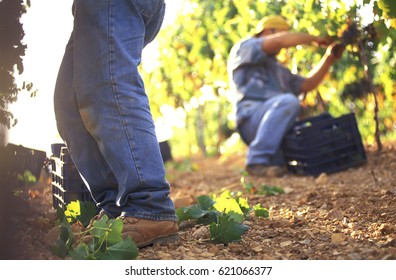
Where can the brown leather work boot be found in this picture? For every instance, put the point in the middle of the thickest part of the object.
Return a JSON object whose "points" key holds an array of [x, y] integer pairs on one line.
{"points": [[266, 170], [148, 232]]}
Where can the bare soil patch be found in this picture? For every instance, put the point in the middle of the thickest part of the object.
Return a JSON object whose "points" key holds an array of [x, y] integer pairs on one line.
{"points": [[341, 216]]}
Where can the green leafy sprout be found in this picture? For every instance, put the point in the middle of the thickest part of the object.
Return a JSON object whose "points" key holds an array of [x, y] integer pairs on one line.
{"points": [[101, 240], [80, 211], [224, 214], [27, 178], [264, 189]]}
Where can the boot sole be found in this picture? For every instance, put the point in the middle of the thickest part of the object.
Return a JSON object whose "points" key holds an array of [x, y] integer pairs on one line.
{"points": [[160, 240]]}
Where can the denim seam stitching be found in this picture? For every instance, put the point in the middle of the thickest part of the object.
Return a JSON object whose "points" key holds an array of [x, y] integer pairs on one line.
{"points": [[114, 88]]}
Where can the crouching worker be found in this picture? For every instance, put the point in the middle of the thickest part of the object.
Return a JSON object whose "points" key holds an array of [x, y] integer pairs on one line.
{"points": [[267, 104]]}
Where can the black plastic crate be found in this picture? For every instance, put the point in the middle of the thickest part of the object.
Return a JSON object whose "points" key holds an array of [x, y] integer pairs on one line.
{"points": [[17, 159], [67, 184], [323, 144], [65, 170], [61, 196]]}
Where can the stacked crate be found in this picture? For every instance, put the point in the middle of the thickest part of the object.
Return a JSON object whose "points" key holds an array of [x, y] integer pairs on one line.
{"points": [[16, 159], [67, 185], [323, 144]]}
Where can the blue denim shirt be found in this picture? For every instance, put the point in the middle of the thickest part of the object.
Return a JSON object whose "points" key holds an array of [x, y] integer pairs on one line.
{"points": [[256, 76]]}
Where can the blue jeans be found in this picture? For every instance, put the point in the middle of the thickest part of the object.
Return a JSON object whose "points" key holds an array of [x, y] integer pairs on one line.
{"points": [[102, 110], [262, 125]]}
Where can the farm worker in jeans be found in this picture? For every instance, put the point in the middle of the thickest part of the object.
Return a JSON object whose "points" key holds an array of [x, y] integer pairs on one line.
{"points": [[103, 115], [268, 104]]}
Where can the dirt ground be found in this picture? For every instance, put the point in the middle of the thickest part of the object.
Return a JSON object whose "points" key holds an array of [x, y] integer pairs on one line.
{"points": [[340, 216]]}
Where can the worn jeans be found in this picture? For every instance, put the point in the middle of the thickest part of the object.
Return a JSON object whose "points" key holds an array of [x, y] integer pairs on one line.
{"points": [[262, 125], [102, 110]]}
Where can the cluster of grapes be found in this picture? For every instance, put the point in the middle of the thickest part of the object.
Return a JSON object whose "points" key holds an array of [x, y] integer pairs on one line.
{"points": [[370, 31], [369, 36], [351, 35], [356, 90]]}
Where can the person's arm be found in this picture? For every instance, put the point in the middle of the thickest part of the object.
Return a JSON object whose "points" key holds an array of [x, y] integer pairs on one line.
{"points": [[316, 75], [273, 43]]}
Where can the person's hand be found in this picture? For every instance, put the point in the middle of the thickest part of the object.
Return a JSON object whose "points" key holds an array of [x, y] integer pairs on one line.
{"points": [[324, 41], [336, 50]]}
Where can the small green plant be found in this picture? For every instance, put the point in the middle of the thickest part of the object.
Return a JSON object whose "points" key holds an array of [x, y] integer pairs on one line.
{"points": [[226, 230], [224, 214], [247, 186], [21, 180], [262, 190], [27, 178], [271, 190], [106, 243], [101, 240], [80, 211]]}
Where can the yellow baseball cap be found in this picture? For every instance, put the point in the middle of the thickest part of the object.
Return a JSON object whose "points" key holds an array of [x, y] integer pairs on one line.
{"points": [[276, 22]]}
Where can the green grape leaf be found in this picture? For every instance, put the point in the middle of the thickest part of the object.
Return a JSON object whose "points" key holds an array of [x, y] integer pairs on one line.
{"points": [[66, 237], [181, 214], [81, 252], [80, 211], [226, 230], [99, 230], [195, 212], [124, 250], [226, 205], [260, 211], [115, 230], [237, 217], [209, 217], [271, 190], [244, 205], [206, 202], [388, 7]]}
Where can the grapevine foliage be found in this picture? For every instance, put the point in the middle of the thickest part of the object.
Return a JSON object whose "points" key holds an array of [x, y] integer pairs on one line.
{"points": [[264, 189], [106, 243], [388, 7], [224, 215], [80, 211], [102, 240]]}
